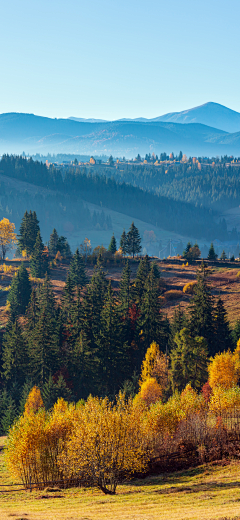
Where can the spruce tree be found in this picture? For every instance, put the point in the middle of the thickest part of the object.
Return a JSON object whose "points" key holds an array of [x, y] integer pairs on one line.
{"points": [[15, 360], [20, 291], [38, 262], [188, 361], [201, 310], [112, 352], [223, 256], [28, 232], [53, 241], [63, 247], [140, 280], [53, 390], [123, 243], [133, 241], [150, 324], [112, 248], [125, 289], [222, 334], [78, 271], [211, 253]]}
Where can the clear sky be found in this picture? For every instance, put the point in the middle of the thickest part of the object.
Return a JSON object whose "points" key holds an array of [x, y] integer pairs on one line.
{"points": [[118, 58]]}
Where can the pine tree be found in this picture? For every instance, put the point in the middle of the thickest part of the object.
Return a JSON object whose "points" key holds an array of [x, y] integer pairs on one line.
{"points": [[223, 256], [44, 349], [113, 354], [52, 390], [125, 290], [236, 333], [123, 243], [28, 232], [78, 271], [112, 248], [211, 253], [222, 334], [201, 310], [53, 241], [39, 262], [15, 361], [178, 322], [140, 280], [133, 241], [20, 291], [9, 415], [188, 361], [63, 247], [150, 325]]}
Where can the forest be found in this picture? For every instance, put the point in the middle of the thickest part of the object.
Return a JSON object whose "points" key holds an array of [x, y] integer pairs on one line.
{"points": [[73, 185], [107, 363]]}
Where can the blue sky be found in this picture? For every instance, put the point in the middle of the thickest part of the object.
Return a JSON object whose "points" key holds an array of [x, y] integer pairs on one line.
{"points": [[118, 58]]}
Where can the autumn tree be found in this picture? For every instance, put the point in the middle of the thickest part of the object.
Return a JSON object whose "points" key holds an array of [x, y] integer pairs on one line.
{"points": [[7, 236]]}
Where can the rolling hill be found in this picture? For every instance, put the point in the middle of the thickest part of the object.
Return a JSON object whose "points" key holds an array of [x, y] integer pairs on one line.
{"points": [[33, 134]]}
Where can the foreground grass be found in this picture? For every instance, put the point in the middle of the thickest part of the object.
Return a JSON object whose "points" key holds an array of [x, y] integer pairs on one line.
{"points": [[209, 492]]}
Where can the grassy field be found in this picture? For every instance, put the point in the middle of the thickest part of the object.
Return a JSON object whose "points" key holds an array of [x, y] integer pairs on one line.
{"points": [[209, 492]]}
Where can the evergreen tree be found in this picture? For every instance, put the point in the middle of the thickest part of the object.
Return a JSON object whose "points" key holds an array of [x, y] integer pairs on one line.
{"points": [[150, 325], [112, 353], [223, 256], [201, 310], [44, 349], [188, 361], [133, 241], [123, 243], [178, 322], [52, 390], [28, 232], [9, 415], [15, 361], [125, 290], [84, 368], [63, 247], [39, 262], [20, 291], [211, 254], [77, 270], [222, 334], [140, 280], [112, 248], [53, 242]]}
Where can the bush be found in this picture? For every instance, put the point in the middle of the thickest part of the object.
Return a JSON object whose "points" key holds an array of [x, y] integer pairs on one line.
{"points": [[173, 294], [189, 288]]}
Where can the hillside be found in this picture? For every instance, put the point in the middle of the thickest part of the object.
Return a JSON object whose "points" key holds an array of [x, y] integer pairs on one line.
{"points": [[33, 134]]}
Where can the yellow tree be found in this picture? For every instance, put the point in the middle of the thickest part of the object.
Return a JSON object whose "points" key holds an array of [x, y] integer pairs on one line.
{"points": [[7, 236], [223, 370], [155, 365], [150, 391]]}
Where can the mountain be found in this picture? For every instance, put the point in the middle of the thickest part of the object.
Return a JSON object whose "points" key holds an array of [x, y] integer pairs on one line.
{"points": [[210, 114], [34, 134], [83, 120]]}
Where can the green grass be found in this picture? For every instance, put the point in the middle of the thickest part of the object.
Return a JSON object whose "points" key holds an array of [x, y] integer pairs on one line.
{"points": [[209, 492]]}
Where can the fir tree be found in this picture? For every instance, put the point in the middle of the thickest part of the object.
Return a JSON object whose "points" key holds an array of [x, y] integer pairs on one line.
{"points": [[211, 253], [52, 390], [188, 361], [39, 262], [20, 291], [77, 270], [9, 415], [15, 361], [133, 241], [125, 289], [140, 280], [236, 333], [223, 256], [201, 318], [53, 242], [28, 232], [123, 243], [112, 248], [222, 334], [150, 325], [112, 352], [63, 247]]}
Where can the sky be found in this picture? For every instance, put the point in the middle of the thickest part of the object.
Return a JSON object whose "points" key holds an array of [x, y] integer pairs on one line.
{"points": [[118, 58]]}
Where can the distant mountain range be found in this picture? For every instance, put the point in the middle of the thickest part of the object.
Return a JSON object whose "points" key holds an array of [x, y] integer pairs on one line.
{"points": [[210, 114], [210, 129]]}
